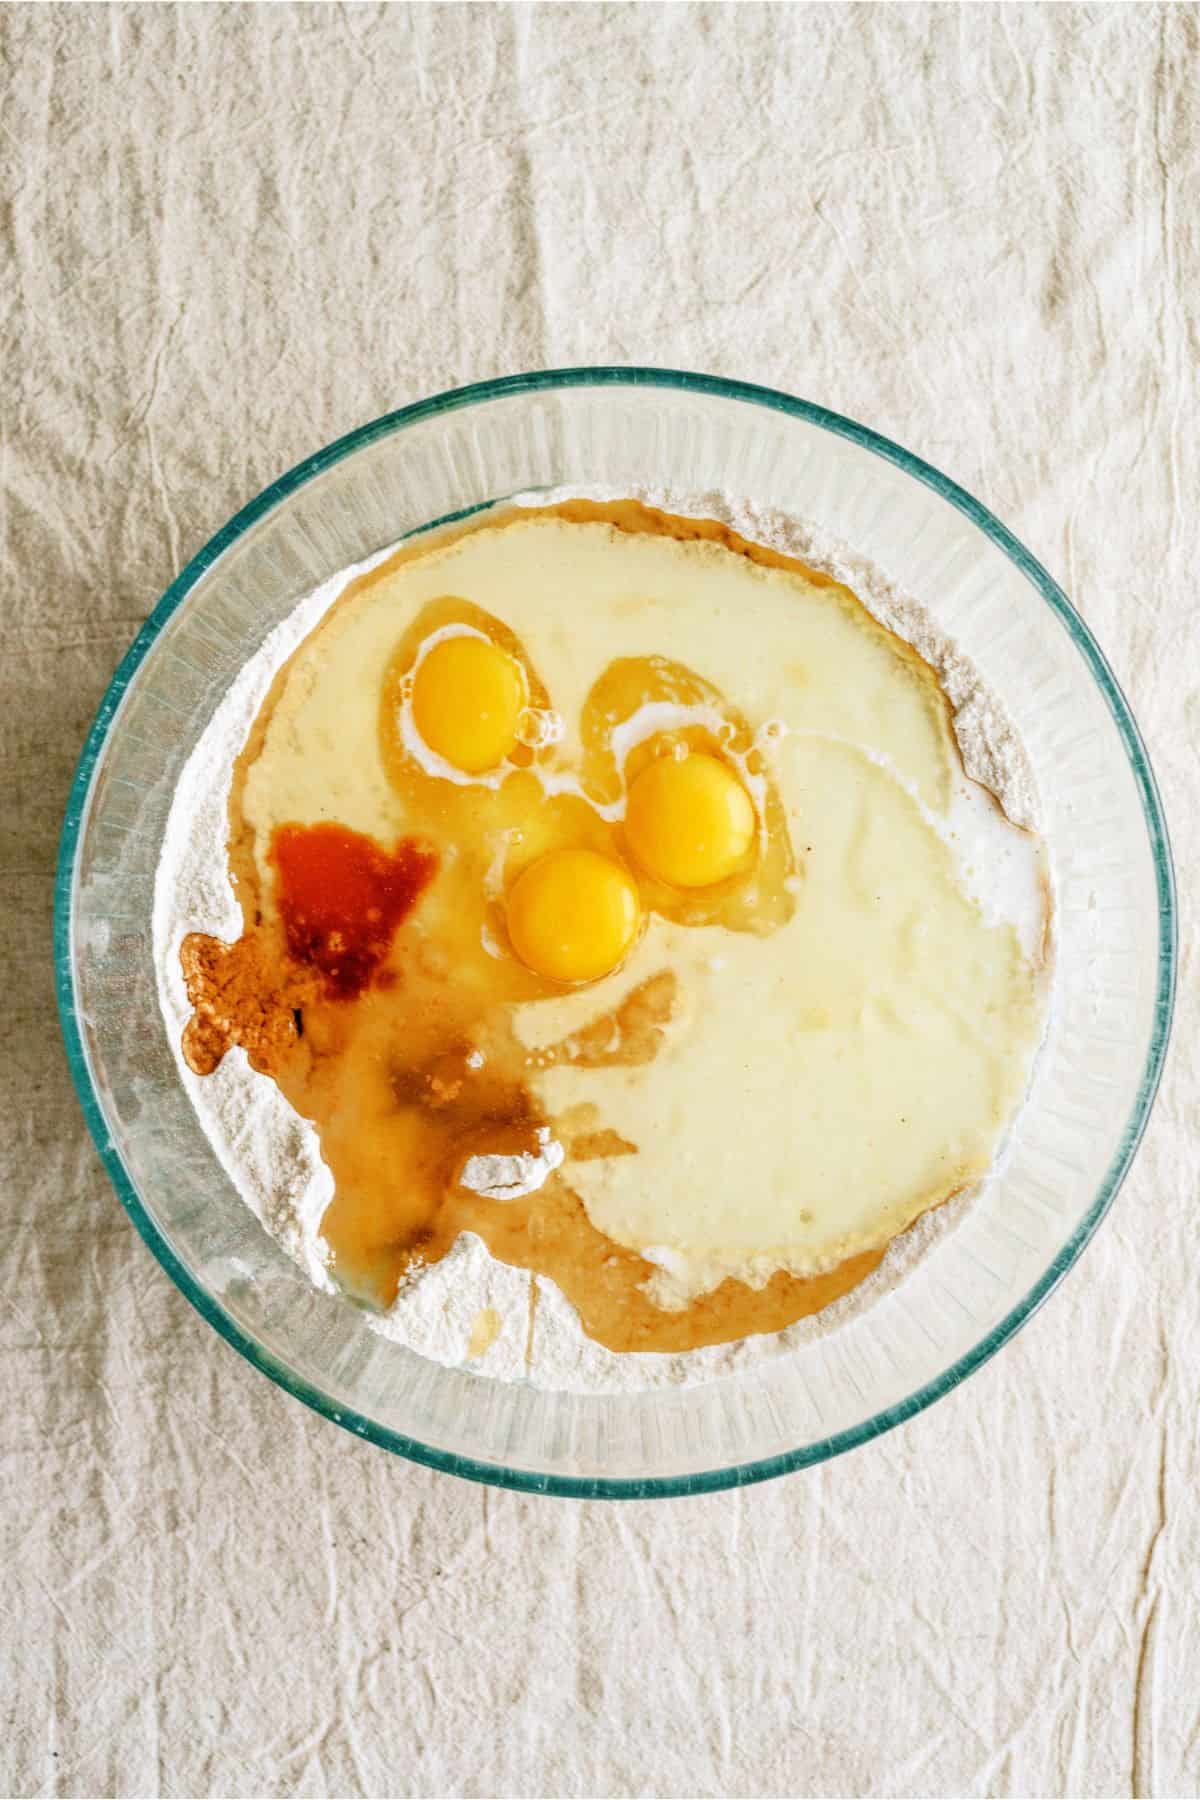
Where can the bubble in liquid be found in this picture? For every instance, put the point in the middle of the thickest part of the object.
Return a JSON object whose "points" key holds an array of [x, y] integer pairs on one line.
{"points": [[539, 726]]}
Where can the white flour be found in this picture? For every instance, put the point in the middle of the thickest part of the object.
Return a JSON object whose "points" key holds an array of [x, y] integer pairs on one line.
{"points": [[272, 1156]]}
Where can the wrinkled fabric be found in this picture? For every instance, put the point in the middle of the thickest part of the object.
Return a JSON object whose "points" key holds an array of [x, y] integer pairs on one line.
{"points": [[228, 235]]}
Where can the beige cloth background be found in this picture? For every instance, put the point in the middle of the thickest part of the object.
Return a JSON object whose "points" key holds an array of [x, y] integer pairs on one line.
{"points": [[229, 235]]}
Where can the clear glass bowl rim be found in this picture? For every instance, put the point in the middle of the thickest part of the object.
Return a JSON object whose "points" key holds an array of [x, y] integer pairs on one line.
{"points": [[496, 1474]]}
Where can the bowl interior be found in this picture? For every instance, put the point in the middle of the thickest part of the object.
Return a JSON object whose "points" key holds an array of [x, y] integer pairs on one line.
{"points": [[1095, 1079]]}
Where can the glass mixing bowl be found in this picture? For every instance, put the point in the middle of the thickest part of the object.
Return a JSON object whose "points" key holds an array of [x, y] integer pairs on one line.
{"points": [[624, 428]]}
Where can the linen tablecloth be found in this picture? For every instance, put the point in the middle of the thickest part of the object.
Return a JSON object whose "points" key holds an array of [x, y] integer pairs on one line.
{"points": [[226, 236]]}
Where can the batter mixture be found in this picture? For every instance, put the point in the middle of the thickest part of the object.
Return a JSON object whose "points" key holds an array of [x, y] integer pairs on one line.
{"points": [[612, 896]]}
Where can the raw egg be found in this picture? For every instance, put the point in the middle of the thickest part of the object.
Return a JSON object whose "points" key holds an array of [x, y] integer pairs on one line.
{"points": [[689, 821], [468, 697], [573, 915]]}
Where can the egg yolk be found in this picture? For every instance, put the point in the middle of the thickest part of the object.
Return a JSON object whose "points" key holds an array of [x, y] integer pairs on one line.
{"points": [[573, 914], [689, 822], [467, 700]]}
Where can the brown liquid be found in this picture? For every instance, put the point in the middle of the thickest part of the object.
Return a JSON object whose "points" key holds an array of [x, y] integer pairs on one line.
{"points": [[363, 987]]}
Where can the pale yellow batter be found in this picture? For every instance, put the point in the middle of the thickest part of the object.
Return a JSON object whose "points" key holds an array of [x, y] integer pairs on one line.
{"points": [[815, 1089]]}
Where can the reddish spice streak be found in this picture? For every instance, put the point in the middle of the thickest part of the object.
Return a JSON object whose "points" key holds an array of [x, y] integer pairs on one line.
{"points": [[341, 896]]}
